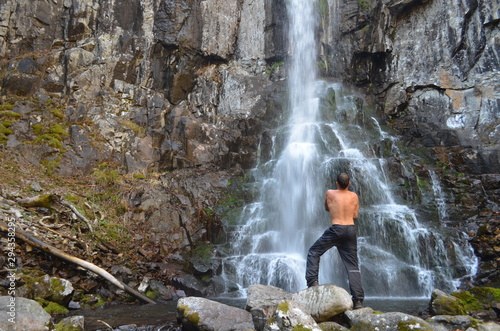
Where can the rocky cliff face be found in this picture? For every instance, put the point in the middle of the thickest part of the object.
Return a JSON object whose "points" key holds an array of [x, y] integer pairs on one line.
{"points": [[152, 86], [433, 70], [187, 89]]}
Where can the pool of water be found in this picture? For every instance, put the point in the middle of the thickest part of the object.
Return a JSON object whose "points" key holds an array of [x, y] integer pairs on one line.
{"points": [[162, 316]]}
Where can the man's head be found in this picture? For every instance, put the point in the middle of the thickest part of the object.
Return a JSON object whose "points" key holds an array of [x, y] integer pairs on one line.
{"points": [[343, 180]]}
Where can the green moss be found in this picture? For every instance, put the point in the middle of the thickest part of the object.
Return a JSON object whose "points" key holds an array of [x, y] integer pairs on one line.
{"points": [[449, 306], [362, 326], [323, 8], [9, 114], [193, 318], [422, 183], [152, 294], [106, 175], [37, 129], [57, 129], [6, 107], [52, 307], [284, 306], [56, 285], [412, 325], [478, 298], [486, 294], [364, 5], [203, 250], [58, 112], [8, 118], [132, 126], [300, 327], [274, 66], [51, 165], [62, 326], [93, 300]]}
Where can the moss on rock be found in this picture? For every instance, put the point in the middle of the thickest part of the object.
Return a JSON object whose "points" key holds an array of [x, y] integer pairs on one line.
{"points": [[478, 298], [51, 307]]}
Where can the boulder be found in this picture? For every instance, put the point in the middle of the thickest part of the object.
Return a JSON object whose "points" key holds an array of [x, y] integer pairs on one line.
{"points": [[490, 326], [73, 323], [324, 301], [264, 295], [460, 322], [196, 313], [445, 304], [23, 314], [332, 326], [290, 315], [389, 321], [36, 284]]}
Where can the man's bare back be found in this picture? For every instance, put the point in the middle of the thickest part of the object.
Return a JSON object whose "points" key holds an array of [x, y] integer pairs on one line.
{"points": [[343, 206]]}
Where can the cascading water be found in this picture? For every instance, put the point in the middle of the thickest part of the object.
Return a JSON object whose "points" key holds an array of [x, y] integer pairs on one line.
{"points": [[327, 133]]}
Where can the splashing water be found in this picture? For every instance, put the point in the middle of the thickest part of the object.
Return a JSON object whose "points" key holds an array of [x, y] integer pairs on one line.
{"points": [[326, 134]]}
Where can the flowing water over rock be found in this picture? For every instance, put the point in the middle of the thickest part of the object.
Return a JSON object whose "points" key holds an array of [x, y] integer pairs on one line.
{"points": [[329, 132]]}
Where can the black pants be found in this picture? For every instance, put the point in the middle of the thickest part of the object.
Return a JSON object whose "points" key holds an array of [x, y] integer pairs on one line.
{"points": [[344, 238]]}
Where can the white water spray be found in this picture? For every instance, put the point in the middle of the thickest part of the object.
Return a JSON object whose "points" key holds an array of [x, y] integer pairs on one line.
{"points": [[327, 134]]}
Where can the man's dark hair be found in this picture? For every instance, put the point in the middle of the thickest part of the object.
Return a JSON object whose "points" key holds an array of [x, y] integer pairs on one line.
{"points": [[343, 180]]}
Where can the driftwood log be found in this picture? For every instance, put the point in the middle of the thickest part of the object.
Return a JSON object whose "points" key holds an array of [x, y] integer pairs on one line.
{"points": [[72, 259]]}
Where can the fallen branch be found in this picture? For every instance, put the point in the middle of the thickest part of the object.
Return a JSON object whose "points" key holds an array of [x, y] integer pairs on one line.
{"points": [[82, 263], [77, 213]]}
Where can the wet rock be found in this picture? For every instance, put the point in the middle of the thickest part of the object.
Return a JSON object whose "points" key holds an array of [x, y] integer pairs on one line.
{"points": [[160, 292], [73, 323], [332, 326], [324, 301], [190, 284], [389, 321], [453, 322], [23, 314], [264, 295], [203, 314], [445, 304], [36, 284]]}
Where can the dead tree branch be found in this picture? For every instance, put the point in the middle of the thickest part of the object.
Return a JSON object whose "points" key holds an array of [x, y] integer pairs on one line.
{"points": [[34, 242]]}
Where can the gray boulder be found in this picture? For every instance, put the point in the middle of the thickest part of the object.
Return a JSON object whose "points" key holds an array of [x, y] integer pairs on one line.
{"points": [[388, 321], [23, 314], [73, 323], [203, 314], [459, 322], [264, 295], [490, 326], [445, 304], [332, 326], [324, 301]]}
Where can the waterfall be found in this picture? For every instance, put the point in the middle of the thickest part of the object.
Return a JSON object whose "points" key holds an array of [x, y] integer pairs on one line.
{"points": [[439, 196], [327, 133]]}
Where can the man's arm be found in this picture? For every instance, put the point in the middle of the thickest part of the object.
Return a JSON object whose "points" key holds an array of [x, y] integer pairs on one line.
{"points": [[356, 207], [326, 202]]}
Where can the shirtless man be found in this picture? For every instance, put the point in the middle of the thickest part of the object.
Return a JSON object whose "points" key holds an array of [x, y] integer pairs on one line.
{"points": [[343, 206]]}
